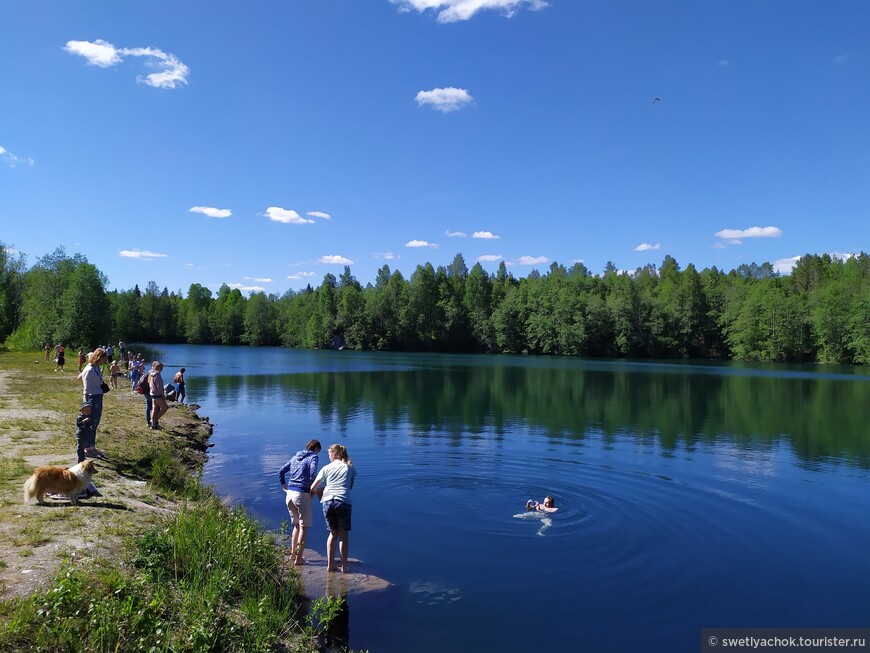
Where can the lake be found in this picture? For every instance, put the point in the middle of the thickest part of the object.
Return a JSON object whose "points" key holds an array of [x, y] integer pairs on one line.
{"points": [[690, 495]]}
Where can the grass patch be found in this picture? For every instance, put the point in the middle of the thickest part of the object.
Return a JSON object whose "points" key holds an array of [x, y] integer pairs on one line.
{"points": [[208, 579], [31, 535], [13, 469]]}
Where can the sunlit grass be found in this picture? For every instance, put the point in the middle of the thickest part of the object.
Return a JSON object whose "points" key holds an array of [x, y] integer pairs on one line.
{"points": [[205, 579]]}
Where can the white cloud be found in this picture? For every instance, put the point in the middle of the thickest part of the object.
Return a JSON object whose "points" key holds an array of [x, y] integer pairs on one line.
{"points": [[723, 63], [319, 214], [752, 232], [532, 260], [142, 254], [171, 72], [786, 265], [841, 59], [485, 235], [841, 256], [389, 256], [450, 11], [13, 160], [211, 212], [488, 258], [245, 288], [420, 243], [286, 216], [334, 259], [643, 247], [188, 265], [258, 279], [444, 99], [455, 234], [301, 275], [99, 53]]}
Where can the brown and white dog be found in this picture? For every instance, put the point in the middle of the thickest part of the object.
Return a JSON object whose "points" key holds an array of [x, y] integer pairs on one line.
{"points": [[59, 480]]}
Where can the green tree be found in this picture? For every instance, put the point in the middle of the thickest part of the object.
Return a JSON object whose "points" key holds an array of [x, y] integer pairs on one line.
{"points": [[478, 306], [260, 321], [227, 318], [12, 270], [85, 319], [197, 308]]}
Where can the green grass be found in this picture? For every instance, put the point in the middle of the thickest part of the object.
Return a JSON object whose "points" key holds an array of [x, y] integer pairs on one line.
{"points": [[13, 469], [208, 579]]}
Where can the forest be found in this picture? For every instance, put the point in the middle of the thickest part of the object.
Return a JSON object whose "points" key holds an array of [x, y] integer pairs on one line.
{"points": [[820, 312]]}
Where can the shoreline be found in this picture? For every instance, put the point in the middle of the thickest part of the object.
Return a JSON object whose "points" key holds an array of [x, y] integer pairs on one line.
{"points": [[38, 428], [71, 576], [150, 484]]}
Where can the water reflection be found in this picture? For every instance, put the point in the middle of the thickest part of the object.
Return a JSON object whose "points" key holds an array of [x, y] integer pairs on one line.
{"points": [[823, 417]]}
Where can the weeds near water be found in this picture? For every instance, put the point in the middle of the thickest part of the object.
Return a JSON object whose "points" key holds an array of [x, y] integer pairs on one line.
{"points": [[210, 579]]}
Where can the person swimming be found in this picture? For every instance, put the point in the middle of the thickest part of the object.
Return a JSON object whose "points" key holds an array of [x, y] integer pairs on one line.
{"points": [[547, 505]]}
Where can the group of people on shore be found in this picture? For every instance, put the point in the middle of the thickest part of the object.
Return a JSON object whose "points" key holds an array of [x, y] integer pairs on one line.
{"points": [[301, 482], [94, 388]]}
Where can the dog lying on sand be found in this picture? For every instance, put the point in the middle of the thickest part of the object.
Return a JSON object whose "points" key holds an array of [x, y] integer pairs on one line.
{"points": [[59, 480]]}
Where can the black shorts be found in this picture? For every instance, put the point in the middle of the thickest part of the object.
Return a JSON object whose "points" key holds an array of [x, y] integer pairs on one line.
{"points": [[337, 515]]}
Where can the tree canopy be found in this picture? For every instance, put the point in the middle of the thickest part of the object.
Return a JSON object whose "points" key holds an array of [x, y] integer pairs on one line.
{"points": [[818, 313]]}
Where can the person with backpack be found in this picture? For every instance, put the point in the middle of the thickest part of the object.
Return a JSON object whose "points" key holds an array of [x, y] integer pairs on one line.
{"points": [[143, 386], [157, 394]]}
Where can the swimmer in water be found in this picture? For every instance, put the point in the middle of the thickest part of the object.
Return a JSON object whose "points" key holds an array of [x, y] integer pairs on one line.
{"points": [[547, 505]]}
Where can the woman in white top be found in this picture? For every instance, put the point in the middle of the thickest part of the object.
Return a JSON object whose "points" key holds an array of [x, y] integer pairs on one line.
{"points": [[92, 380], [337, 480]]}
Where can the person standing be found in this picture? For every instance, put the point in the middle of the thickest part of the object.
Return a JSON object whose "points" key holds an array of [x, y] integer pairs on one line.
{"points": [[47, 348], [135, 373], [337, 479], [92, 380], [302, 468], [115, 374], [178, 380], [59, 357], [157, 394], [81, 360], [148, 400]]}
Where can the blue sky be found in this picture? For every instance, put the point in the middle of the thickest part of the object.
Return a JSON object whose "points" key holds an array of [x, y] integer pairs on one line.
{"points": [[264, 144]]}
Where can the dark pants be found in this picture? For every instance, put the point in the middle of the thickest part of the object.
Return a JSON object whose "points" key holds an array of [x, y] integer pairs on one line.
{"points": [[148, 404], [85, 438]]}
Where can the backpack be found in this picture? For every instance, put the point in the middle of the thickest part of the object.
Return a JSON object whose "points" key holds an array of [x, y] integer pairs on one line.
{"points": [[142, 384]]}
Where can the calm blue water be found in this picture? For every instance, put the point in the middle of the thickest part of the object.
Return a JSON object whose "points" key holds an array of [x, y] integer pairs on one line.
{"points": [[690, 496]]}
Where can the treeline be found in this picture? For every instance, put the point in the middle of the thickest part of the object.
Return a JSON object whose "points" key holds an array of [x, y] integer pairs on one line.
{"points": [[820, 312]]}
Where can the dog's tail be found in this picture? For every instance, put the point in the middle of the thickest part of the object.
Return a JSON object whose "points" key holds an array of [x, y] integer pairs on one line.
{"points": [[30, 489]]}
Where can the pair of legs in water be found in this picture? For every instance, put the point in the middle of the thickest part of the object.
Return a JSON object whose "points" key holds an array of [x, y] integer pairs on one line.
{"points": [[337, 515]]}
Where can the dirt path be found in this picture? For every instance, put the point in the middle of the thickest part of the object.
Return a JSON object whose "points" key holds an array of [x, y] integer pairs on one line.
{"points": [[34, 539]]}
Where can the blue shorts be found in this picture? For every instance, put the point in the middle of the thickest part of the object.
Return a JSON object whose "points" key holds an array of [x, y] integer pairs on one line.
{"points": [[337, 515]]}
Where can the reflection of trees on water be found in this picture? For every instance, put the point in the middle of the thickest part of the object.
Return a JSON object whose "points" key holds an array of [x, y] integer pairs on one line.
{"points": [[822, 418]]}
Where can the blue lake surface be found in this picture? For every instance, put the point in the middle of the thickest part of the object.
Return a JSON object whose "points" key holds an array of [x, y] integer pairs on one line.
{"points": [[690, 495]]}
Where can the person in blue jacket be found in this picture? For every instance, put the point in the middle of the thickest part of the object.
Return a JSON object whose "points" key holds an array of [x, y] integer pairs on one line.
{"points": [[302, 469]]}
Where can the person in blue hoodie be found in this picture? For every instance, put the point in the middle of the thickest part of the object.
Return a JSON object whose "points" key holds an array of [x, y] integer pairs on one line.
{"points": [[303, 469]]}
